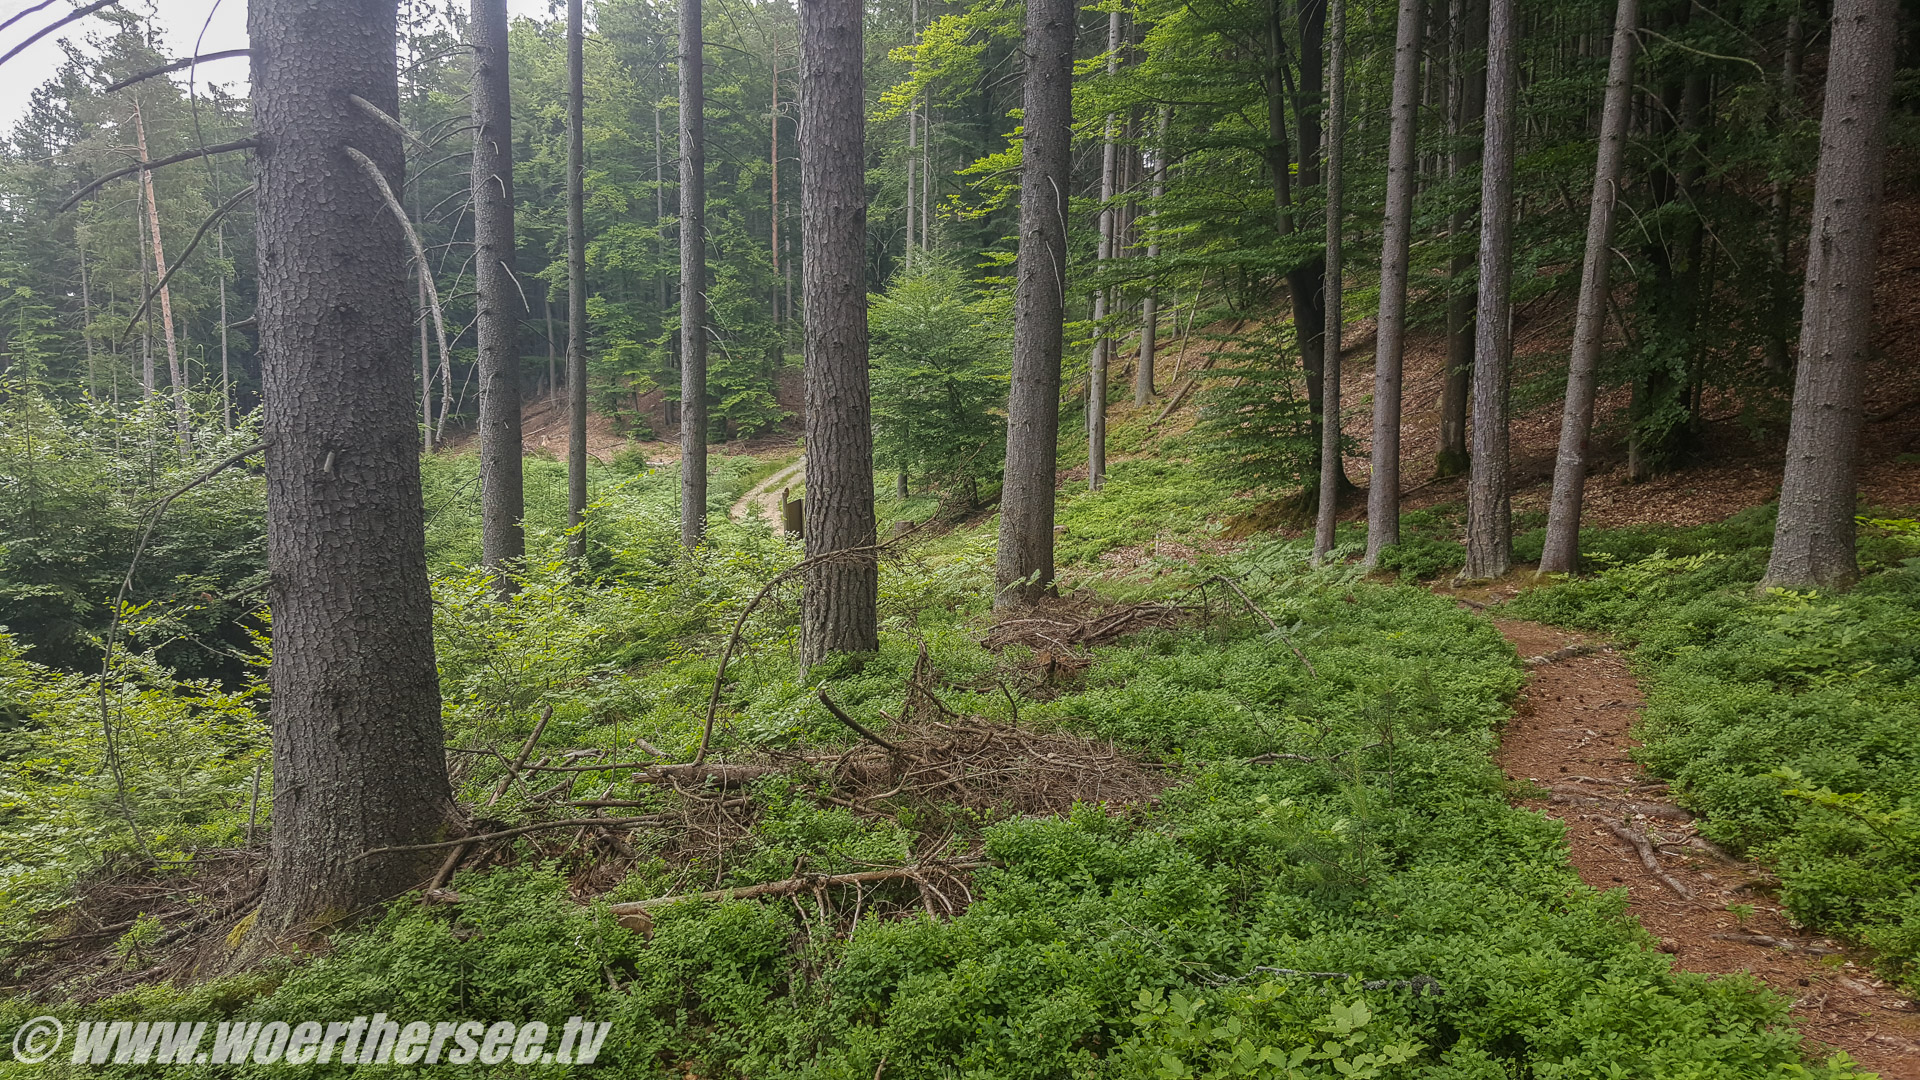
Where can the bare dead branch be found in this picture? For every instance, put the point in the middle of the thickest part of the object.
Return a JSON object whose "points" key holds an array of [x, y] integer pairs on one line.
{"points": [[503, 834], [387, 121], [419, 253], [16, 17], [55, 25], [794, 886], [182, 260], [857, 726], [174, 159], [168, 69]]}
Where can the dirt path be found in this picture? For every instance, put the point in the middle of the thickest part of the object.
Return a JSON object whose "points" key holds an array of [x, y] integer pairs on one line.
{"points": [[1570, 734], [766, 493]]}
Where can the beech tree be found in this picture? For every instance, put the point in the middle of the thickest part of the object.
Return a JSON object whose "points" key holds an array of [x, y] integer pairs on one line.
{"points": [[577, 281], [838, 604], [358, 762], [1489, 506], [502, 501], [1813, 543], [1023, 563], [1562, 551], [693, 277], [1383, 492]]}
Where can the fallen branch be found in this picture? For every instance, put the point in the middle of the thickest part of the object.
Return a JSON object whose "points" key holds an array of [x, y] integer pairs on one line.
{"points": [[860, 729], [504, 834], [1648, 859], [1255, 608], [796, 885]]}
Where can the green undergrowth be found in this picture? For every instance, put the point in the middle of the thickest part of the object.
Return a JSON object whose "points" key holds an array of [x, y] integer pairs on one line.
{"points": [[1165, 940], [1791, 720]]}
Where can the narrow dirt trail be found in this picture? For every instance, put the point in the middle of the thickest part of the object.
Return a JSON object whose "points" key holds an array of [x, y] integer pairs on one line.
{"points": [[766, 494], [1571, 734]]}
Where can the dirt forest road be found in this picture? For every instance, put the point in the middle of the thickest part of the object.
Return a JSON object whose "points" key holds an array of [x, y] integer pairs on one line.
{"points": [[766, 494], [1714, 914]]}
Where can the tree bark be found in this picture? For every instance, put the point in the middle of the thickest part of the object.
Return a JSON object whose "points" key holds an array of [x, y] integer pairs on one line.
{"points": [[503, 544], [1562, 552], [1150, 304], [1489, 506], [577, 280], [837, 604], [693, 277], [1383, 492], [1466, 102], [176, 378], [1306, 283], [357, 743], [1813, 544], [1023, 564], [1102, 342], [1331, 473]]}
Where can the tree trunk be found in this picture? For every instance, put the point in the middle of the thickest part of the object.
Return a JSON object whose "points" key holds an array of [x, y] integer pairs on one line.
{"points": [[1813, 544], [1149, 305], [426, 361], [358, 762], [1489, 506], [503, 544], [913, 142], [1383, 493], [226, 375], [1023, 564], [693, 277], [1466, 102], [176, 377], [1102, 342], [1779, 356], [1562, 552], [1331, 472], [837, 606], [1306, 283], [577, 282]]}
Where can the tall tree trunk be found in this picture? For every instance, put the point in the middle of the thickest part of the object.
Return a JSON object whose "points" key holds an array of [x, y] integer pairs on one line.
{"points": [[553, 359], [1149, 305], [1102, 341], [1331, 473], [226, 375], [86, 315], [1383, 493], [426, 361], [1466, 103], [176, 377], [358, 763], [1023, 564], [1813, 544], [1778, 357], [577, 280], [913, 142], [837, 607], [503, 544], [1562, 552], [1306, 283], [693, 277], [1489, 505]]}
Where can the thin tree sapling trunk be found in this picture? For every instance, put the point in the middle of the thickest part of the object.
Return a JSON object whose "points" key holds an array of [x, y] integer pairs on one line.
{"points": [[1383, 493], [576, 284], [1331, 472], [693, 278], [497, 295]]}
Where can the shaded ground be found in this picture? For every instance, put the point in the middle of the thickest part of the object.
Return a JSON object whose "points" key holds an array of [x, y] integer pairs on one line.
{"points": [[766, 493], [1571, 735]]}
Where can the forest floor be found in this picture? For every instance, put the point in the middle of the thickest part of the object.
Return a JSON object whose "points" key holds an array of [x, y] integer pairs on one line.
{"points": [[767, 493], [1571, 736]]}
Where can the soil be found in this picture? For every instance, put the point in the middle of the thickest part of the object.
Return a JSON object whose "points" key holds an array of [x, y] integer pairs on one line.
{"points": [[1571, 735], [767, 493]]}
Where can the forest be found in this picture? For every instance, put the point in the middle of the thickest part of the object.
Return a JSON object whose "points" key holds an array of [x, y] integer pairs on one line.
{"points": [[960, 538]]}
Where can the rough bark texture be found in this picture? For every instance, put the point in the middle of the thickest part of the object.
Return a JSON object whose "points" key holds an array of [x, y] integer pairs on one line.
{"points": [[577, 284], [1306, 283], [693, 277], [1466, 102], [357, 758], [1331, 472], [1383, 492], [1023, 565], [502, 499], [1562, 549], [1489, 507], [1813, 544], [837, 606]]}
